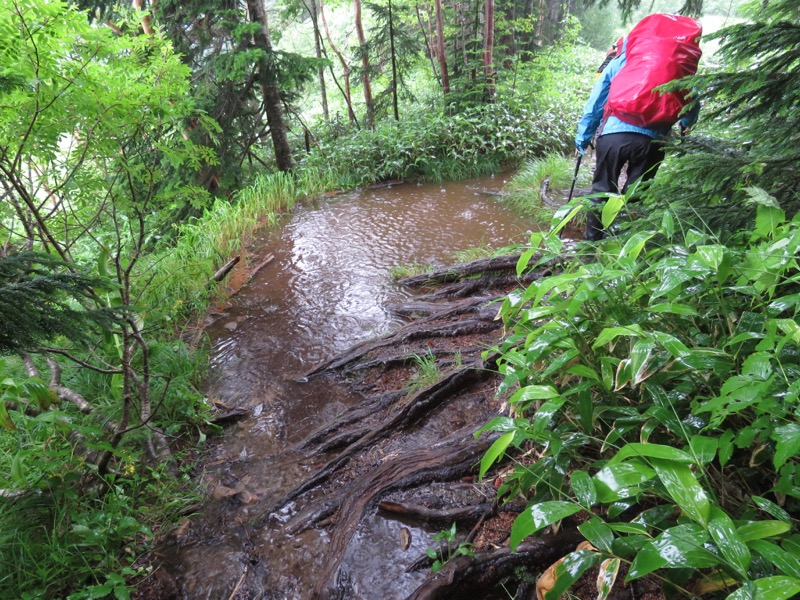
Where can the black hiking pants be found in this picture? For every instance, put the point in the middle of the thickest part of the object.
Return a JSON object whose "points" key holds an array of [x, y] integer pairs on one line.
{"points": [[643, 156]]}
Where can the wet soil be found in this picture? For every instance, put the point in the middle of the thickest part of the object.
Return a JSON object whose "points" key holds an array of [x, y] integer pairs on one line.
{"points": [[350, 464]]}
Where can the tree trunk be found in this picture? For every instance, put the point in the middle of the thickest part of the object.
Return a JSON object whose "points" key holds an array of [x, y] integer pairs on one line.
{"points": [[440, 48], [488, 50], [365, 78], [318, 53], [351, 115], [146, 26], [273, 104], [394, 64]]}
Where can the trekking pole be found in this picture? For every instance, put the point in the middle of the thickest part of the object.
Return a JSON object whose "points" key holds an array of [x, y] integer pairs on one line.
{"points": [[575, 177]]}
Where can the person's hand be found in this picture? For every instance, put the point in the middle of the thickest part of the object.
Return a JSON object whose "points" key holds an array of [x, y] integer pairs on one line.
{"points": [[578, 150]]}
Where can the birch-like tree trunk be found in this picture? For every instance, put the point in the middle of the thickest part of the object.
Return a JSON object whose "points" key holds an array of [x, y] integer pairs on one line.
{"points": [[365, 78]]}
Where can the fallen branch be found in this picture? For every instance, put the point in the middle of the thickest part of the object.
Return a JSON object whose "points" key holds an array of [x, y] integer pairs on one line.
{"points": [[224, 270]]}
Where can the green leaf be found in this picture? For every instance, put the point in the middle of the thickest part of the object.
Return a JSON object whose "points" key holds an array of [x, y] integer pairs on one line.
{"points": [[622, 480], [570, 570], [544, 414], [583, 487], [711, 256], [772, 509], [684, 489], [733, 548], [609, 334], [539, 516], [636, 449], [611, 209], [533, 392], [495, 451], [677, 547], [768, 588], [756, 530], [704, 448], [635, 244], [787, 443], [785, 562], [597, 533], [524, 260]]}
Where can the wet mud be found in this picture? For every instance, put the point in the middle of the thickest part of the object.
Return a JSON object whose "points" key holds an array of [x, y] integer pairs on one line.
{"points": [[302, 491]]}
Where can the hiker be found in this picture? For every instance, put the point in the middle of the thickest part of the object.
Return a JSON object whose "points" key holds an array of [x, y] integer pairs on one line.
{"points": [[611, 54], [633, 120]]}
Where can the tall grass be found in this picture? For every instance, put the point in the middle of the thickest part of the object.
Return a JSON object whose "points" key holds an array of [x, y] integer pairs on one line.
{"points": [[175, 279], [525, 187]]}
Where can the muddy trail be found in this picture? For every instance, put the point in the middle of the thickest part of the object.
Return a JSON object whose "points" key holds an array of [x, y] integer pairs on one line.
{"points": [[350, 402]]}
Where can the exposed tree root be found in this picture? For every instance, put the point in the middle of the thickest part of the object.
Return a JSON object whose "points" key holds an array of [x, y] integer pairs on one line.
{"points": [[450, 459], [415, 407], [461, 514], [462, 270], [470, 577]]}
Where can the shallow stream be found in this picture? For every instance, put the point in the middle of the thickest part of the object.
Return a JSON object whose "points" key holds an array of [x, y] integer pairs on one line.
{"points": [[325, 289]]}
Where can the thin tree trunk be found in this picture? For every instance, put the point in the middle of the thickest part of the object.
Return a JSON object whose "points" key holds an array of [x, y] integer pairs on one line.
{"points": [[318, 52], [345, 67], [365, 79], [146, 26], [488, 50], [273, 104], [440, 52], [428, 47], [394, 63]]}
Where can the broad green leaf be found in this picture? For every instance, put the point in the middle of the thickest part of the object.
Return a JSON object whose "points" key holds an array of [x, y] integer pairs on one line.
{"points": [[767, 219], [570, 570], [684, 489], [633, 528], [639, 359], [533, 392], [539, 516], [495, 451], [733, 548], [635, 244], [544, 414], [636, 449], [769, 588], [609, 334], [621, 480], [757, 530], [668, 224], [583, 487], [597, 533], [704, 448], [787, 443], [607, 576], [677, 547], [524, 260], [785, 562], [772, 509], [671, 344], [711, 255], [563, 223], [611, 209]]}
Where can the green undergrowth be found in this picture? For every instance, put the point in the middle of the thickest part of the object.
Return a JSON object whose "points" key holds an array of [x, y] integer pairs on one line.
{"points": [[656, 377], [524, 189]]}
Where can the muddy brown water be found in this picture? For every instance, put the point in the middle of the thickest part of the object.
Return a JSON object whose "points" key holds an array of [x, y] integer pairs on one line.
{"points": [[325, 290]]}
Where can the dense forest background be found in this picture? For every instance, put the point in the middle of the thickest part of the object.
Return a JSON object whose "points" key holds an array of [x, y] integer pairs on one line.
{"points": [[140, 144]]}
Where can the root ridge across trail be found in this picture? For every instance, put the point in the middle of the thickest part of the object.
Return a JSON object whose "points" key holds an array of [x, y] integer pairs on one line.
{"points": [[408, 449]]}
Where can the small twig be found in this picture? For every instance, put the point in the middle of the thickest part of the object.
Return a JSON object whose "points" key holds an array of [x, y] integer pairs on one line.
{"points": [[238, 585]]}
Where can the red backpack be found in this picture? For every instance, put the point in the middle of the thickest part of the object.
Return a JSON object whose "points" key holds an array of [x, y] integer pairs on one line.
{"points": [[660, 49]]}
